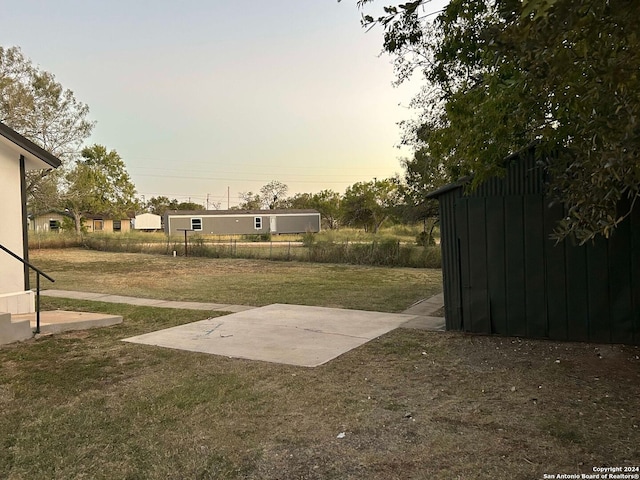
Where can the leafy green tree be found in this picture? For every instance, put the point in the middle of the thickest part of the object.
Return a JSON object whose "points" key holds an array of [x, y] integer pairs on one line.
{"points": [[250, 201], [99, 183], [274, 195], [189, 206], [158, 205], [327, 202], [504, 75], [369, 204], [423, 174], [300, 201], [34, 104]]}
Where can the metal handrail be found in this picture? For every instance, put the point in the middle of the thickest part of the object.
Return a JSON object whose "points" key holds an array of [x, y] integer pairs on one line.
{"points": [[38, 273]]}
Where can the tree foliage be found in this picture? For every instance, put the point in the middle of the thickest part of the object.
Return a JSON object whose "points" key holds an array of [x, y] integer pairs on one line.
{"points": [[423, 174], [160, 204], [327, 202], [98, 184], [369, 204], [250, 201], [272, 195], [35, 105], [504, 74]]}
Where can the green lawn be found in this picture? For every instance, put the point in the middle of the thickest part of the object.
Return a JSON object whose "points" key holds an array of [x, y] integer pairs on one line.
{"points": [[237, 281], [411, 404]]}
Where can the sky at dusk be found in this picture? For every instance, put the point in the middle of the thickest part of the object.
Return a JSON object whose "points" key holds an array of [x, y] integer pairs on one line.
{"points": [[201, 98]]}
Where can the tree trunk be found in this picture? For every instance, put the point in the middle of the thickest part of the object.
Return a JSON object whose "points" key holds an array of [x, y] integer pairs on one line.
{"points": [[77, 220]]}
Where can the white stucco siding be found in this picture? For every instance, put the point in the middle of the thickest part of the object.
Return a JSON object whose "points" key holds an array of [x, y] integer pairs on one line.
{"points": [[11, 271]]}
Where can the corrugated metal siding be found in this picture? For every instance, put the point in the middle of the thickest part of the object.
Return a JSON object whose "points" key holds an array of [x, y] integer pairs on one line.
{"points": [[524, 176], [450, 259], [504, 275]]}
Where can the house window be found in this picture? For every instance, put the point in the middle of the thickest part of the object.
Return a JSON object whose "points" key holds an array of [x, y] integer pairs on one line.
{"points": [[117, 225], [97, 225], [196, 224], [54, 225], [257, 223]]}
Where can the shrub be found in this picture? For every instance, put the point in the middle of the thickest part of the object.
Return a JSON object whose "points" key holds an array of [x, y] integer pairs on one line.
{"points": [[424, 239], [383, 252], [308, 239]]}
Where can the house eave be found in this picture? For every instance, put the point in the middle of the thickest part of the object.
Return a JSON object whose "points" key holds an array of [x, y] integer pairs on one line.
{"points": [[28, 148]]}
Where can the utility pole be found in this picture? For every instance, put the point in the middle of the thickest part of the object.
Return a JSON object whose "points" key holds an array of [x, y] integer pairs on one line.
{"points": [[207, 201], [228, 200]]}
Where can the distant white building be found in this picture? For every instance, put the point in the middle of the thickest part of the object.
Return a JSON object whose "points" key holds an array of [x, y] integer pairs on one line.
{"points": [[147, 221]]}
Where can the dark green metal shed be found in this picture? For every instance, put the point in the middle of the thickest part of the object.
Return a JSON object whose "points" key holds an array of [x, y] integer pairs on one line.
{"points": [[503, 274]]}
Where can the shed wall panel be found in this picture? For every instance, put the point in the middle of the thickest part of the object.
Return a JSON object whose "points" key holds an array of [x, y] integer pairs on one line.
{"points": [[536, 311], [598, 291], [555, 275], [620, 284], [577, 301], [477, 247], [635, 273], [515, 262], [462, 228], [496, 271], [500, 264], [450, 261]]}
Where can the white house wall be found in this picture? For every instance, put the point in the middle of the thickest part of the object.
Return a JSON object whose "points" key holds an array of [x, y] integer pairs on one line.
{"points": [[11, 270]]}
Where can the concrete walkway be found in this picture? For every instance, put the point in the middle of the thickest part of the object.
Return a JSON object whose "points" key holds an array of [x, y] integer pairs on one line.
{"points": [[291, 334], [144, 302], [421, 310]]}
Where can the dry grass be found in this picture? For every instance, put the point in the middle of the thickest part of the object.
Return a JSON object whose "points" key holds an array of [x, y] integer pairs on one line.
{"points": [[237, 281], [411, 404]]}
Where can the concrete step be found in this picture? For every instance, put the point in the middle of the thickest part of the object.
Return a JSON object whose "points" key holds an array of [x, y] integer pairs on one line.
{"points": [[58, 321], [12, 330]]}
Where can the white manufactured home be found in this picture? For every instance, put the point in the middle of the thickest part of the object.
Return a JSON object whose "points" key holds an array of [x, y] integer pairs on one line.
{"points": [[242, 222]]}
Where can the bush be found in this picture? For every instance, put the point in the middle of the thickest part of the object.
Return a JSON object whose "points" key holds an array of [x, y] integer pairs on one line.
{"points": [[308, 239], [382, 252], [424, 239]]}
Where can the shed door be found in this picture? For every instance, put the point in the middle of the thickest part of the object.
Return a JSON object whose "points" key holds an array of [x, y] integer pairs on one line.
{"points": [[273, 223]]}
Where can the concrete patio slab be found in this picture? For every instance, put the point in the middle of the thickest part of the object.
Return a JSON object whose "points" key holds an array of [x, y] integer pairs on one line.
{"points": [[290, 334], [58, 321]]}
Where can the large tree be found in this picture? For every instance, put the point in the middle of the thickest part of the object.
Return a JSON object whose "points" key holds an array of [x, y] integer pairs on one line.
{"points": [[34, 104], [98, 184], [423, 174], [502, 75], [327, 202], [160, 204], [369, 204], [272, 195]]}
